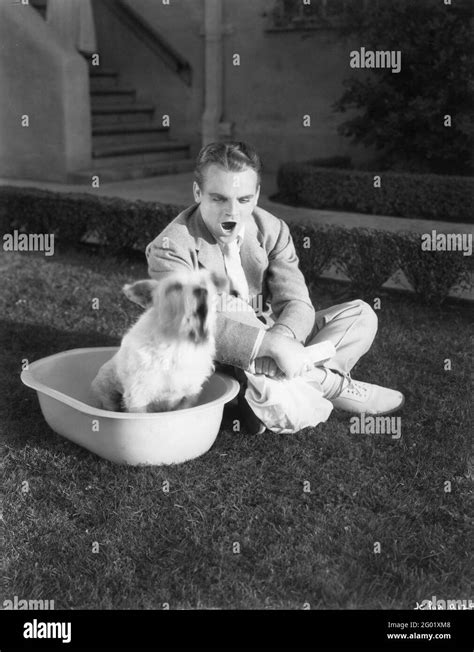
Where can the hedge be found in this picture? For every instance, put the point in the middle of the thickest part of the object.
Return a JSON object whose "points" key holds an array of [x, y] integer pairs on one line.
{"points": [[369, 257], [121, 223], [427, 196]]}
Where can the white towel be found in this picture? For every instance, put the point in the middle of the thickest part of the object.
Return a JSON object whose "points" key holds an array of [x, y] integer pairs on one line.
{"points": [[288, 405]]}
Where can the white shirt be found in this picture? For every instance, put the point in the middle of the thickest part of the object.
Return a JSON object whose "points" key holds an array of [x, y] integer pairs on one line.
{"points": [[233, 265], [237, 279]]}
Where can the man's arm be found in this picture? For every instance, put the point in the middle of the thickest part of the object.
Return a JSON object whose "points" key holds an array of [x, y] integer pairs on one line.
{"points": [[236, 332], [291, 303]]}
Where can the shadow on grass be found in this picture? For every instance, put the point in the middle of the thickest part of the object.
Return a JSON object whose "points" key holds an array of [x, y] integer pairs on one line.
{"points": [[19, 408]]}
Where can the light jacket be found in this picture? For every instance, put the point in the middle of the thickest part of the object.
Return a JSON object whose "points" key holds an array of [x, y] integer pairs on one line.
{"points": [[271, 268]]}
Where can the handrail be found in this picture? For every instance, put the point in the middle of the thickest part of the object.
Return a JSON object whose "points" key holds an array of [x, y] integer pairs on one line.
{"points": [[132, 19]]}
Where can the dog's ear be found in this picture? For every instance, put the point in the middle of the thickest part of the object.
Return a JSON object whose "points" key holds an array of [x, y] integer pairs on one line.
{"points": [[221, 282], [141, 292]]}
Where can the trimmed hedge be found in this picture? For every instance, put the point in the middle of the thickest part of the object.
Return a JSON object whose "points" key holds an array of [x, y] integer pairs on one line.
{"points": [[428, 196], [432, 274], [120, 223], [317, 248], [369, 257]]}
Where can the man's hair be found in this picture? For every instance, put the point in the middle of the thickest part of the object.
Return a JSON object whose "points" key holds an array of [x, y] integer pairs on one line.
{"points": [[234, 156]]}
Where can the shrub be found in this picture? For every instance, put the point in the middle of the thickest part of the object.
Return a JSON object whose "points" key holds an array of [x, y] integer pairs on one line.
{"points": [[119, 223], [402, 114], [369, 258], [41, 211], [403, 195], [316, 247], [432, 274], [124, 225]]}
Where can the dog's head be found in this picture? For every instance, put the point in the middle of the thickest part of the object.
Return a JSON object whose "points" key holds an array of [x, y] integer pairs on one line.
{"points": [[183, 303]]}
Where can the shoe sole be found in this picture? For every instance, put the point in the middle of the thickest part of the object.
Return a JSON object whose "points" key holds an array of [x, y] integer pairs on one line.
{"points": [[394, 409], [374, 414]]}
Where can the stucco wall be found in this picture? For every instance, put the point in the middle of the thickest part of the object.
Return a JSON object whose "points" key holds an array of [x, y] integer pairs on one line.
{"points": [[282, 77], [41, 79], [180, 24]]}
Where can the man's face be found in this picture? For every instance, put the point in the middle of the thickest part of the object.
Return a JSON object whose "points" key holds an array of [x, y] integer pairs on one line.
{"points": [[227, 200]]}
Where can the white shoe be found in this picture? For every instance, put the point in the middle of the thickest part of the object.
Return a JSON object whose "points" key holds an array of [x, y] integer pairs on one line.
{"points": [[364, 398]]}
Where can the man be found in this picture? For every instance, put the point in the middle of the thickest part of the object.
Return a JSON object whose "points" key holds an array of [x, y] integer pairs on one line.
{"points": [[226, 232]]}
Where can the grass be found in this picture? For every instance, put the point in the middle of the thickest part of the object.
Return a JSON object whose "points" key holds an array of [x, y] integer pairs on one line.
{"points": [[177, 547]]}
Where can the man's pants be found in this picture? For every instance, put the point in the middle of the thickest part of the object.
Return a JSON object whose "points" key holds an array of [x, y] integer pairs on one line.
{"points": [[350, 326]]}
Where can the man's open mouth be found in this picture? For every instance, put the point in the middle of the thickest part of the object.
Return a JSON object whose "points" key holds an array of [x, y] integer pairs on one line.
{"points": [[228, 227]]}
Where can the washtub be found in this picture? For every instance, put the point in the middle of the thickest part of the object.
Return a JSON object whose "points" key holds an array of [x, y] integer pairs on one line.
{"points": [[62, 382]]}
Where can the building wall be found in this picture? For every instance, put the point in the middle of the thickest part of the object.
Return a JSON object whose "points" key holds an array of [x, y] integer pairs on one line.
{"points": [[42, 79], [282, 77], [179, 23]]}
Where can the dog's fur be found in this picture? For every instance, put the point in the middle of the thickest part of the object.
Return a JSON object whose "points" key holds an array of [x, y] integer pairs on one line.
{"points": [[166, 357]]}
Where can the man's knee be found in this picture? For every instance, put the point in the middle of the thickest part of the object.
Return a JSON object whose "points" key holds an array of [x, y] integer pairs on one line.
{"points": [[368, 318]]}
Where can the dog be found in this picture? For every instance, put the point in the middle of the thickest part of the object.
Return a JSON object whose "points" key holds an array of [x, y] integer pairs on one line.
{"points": [[168, 354]]}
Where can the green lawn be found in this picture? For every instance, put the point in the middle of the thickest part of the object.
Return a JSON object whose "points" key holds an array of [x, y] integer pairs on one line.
{"points": [[177, 547]]}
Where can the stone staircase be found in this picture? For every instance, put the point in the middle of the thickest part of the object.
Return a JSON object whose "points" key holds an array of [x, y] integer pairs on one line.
{"points": [[127, 142]]}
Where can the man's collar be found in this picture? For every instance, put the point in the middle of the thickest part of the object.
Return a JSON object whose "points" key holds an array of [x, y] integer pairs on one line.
{"points": [[240, 236]]}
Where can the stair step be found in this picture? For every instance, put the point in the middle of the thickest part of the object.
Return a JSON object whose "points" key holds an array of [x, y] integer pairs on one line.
{"points": [[112, 96], [98, 71], [105, 82], [132, 132], [137, 148], [103, 79], [140, 153], [121, 113], [108, 174]]}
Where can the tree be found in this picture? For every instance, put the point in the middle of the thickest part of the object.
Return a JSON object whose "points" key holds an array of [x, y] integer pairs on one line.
{"points": [[403, 115]]}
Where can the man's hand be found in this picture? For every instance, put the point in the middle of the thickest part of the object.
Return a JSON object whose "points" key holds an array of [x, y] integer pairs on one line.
{"points": [[289, 354], [267, 366]]}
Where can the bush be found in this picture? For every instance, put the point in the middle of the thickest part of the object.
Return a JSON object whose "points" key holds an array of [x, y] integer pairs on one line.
{"points": [[126, 225], [367, 256], [118, 223], [41, 211], [432, 274], [402, 114], [403, 195], [316, 248]]}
